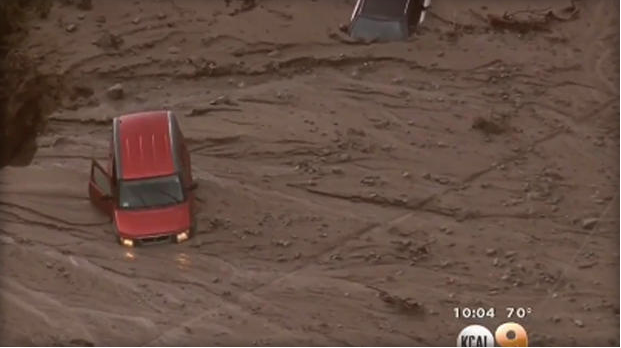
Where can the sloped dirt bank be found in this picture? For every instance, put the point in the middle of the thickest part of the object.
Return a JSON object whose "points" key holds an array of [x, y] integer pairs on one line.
{"points": [[26, 95]]}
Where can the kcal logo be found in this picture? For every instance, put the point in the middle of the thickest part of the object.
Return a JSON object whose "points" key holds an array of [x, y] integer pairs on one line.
{"points": [[475, 336], [507, 335]]}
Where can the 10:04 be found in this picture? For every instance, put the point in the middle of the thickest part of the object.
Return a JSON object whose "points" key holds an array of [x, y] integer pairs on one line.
{"points": [[474, 313]]}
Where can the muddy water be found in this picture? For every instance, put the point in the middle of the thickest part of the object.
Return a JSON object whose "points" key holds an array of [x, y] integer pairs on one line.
{"points": [[461, 168]]}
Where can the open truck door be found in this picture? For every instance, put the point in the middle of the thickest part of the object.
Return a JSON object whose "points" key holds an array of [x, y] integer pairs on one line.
{"points": [[100, 188]]}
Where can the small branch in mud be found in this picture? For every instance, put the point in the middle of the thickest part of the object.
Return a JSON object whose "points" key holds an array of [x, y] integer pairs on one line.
{"points": [[203, 111], [403, 304], [534, 21], [263, 101], [92, 121], [246, 5]]}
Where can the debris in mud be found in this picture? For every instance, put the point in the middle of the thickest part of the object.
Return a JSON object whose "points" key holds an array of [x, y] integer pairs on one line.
{"points": [[108, 40], [510, 253], [281, 243], [439, 179], [344, 157], [273, 53], [115, 92], [70, 28], [487, 126], [222, 100], [402, 245], [370, 180], [589, 223], [337, 170], [80, 342], [206, 110], [246, 5], [85, 5], [406, 305], [534, 21]]}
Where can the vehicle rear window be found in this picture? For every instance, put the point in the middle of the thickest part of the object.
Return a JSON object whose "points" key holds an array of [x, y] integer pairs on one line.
{"points": [[376, 29], [389, 9]]}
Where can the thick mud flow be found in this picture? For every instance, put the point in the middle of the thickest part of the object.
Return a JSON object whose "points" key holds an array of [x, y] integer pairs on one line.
{"points": [[350, 193]]}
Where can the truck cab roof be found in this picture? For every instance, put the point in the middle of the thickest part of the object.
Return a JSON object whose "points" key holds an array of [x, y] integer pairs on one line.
{"points": [[144, 145]]}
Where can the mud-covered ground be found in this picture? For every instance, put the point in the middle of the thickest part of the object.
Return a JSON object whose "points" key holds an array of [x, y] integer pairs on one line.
{"points": [[350, 194]]}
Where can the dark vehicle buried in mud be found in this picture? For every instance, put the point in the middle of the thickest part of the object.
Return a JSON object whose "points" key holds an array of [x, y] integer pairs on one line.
{"points": [[386, 20], [147, 188]]}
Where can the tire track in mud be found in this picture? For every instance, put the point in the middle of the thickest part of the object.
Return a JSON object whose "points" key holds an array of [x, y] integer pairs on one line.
{"points": [[48, 300], [251, 291], [182, 282], [24, 221], [420, 206], [598, 41], [472, 177], [50, 217], [240, 306], [284, 66]]}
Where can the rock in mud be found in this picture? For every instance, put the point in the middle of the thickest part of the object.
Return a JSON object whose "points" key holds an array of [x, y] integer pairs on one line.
{"points": [[337, 170], [85, 5], [487, 126], [402, 304], [274, 53], [81, 342], [589, 224], [108, 40], [115, 92], [222, 100], [578, 323]]}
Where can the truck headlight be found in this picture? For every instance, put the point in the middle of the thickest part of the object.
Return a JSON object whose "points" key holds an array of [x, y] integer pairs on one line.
{"points": [[183, 236], [127, 242]]}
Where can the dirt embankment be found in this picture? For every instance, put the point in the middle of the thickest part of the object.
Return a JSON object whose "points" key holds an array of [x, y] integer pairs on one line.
{"points": [[27, 95]]}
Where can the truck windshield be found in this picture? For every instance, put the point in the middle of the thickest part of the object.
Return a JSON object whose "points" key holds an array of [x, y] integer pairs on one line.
{"points": [[150, 193], [366, 28]]}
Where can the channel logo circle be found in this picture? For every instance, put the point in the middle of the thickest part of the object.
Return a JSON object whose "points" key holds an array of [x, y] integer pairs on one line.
{"points": [[511, 335], [475, 336]]}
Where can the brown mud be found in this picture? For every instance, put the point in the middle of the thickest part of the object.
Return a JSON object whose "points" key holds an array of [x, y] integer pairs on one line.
{"points": [[350, 193]]}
